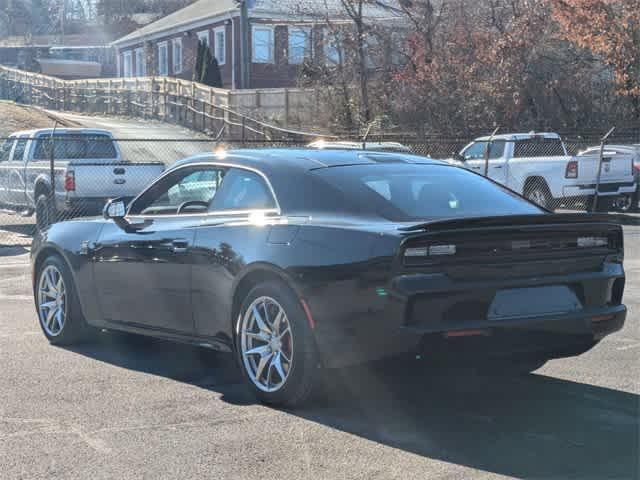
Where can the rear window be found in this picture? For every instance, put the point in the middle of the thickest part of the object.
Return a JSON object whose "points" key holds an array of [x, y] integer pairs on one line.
{"points": [[73, 147], [421, 192], [538, 147]]}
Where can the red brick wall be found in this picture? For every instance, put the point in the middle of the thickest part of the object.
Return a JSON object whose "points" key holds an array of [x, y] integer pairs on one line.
{"points": [[262, 75]]}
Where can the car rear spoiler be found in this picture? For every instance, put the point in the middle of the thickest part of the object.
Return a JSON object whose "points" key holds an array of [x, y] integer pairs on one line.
{"points": [[520, 220]]}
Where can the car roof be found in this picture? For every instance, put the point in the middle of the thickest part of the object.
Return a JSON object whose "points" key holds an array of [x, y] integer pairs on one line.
{"points": [[270, 159], [353, 145], [62, 131], [520, 136]]}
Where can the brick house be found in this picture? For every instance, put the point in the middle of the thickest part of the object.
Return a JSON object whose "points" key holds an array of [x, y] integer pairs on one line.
{"points": [[81, 55], [279, 37]]}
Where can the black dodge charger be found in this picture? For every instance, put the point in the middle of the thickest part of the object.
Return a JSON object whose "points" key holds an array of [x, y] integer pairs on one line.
{"points": [[296, 260]]}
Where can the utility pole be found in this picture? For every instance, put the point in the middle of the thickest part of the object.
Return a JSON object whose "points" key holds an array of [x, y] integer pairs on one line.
{"points": [[245, 61]]}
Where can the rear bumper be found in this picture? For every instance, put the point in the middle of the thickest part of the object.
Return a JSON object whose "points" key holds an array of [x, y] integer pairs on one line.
{"points": [[453, 325], [605, 189]]}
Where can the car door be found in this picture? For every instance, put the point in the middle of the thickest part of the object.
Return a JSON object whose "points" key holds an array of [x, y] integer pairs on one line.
{"points": [[231, 237], [143, 273], [475, 159], [16, 173], [5, 157]]}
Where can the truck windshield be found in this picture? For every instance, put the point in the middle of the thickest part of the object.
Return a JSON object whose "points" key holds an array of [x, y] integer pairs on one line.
{"points": [[407, 192], [77, 146]]}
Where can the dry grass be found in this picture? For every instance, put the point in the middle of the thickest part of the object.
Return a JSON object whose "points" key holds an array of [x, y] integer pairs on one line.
{"points": [[15, 116]]}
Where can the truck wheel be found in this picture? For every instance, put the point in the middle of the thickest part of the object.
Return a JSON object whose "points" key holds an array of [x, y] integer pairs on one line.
{"points": [[44, 212], [538, 192]]}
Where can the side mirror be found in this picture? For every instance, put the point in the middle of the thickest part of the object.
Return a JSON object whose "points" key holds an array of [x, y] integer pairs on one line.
{"points": [[114, 210], [458, 156]]}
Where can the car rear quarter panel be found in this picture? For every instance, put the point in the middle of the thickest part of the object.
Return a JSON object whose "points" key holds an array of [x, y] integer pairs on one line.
{"points": [[332, 268]]}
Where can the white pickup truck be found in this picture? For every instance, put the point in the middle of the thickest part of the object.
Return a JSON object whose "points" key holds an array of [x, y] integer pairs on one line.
{"points": [[537, 166], [88, 170]]}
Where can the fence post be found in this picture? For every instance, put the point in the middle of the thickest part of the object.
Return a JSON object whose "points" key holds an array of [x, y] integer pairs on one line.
{"points": [[594, 207], [193, 102], [487, 152], [242, 132], [52, 173], [166, 98], [108, 106]]}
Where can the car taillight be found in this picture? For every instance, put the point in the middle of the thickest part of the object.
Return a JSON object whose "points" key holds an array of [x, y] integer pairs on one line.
{"points": [[433, 250], [572, 169], [70, 182], [635, 168]]}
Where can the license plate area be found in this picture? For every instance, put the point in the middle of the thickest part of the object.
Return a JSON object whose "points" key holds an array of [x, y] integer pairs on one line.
{"points": [[533, 301]]}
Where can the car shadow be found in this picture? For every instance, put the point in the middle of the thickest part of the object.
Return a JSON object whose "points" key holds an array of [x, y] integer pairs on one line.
{"points": [[533, 426]]}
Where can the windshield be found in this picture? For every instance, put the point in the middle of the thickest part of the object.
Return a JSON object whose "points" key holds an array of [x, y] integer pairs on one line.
{"points": [[407, 192]]}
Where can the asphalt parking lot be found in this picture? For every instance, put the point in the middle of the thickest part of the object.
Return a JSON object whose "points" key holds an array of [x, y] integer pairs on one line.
{"points": [[125, 407]]}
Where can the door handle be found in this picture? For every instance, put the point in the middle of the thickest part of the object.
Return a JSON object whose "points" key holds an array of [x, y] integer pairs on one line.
{"points": [[497, 166], [180, 246]]}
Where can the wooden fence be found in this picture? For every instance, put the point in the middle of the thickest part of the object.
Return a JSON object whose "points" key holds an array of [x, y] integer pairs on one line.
{"points": [[229, 114]]}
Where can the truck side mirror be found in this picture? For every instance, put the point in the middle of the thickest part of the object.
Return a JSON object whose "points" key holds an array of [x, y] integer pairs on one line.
{"points": [[458, 156]]}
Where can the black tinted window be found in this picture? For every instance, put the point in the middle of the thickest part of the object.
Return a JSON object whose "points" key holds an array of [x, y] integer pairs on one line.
{"points": [[243, 190], [74, 147], [414, 192], [538, 147]]}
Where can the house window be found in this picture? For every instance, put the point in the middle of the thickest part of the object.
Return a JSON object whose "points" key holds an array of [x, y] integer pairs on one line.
{"points": [[163, 59], [299, 44], [263, 45], [331, 47], [220, 39], [177, 55], [372, 51], [396, 48], [126, 64], [140, 66], [203, 36]]}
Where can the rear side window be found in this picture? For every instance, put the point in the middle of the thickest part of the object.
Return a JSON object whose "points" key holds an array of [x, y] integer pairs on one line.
{"points": [[243, 190], [5, 149], [421, 192], [538, 147], [18, 153], [75, 147]]}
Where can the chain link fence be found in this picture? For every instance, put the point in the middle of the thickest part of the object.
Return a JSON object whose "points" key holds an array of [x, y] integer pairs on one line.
{"points": [[50, 176]]}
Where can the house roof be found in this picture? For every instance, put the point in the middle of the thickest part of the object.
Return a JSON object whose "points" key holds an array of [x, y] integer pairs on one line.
{"points": [[203, 10], [44, 41], [200, 10]]}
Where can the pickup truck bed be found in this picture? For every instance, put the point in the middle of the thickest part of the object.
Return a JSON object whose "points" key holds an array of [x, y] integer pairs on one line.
{"points": [[88, 170]]}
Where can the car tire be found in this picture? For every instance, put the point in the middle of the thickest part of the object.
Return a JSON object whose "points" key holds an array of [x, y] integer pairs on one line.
{"points": [[283, 368], [538, 192], [57, 304], [44, 212]]}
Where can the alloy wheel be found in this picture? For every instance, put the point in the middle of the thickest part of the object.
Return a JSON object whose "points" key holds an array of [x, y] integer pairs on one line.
{"points": [[538, 197], [266, 344], [52, 301]]}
